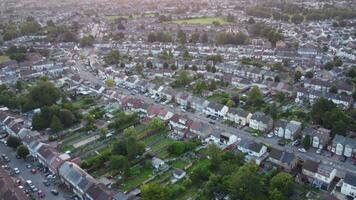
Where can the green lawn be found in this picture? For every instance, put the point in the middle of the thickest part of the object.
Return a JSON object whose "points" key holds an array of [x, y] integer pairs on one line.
{"points": [[180, 164], [138, 174], [201, 21], [4, 59]]}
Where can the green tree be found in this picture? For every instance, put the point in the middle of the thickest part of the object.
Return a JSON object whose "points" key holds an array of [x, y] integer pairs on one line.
{"points": [[182, 38], [156, 124], [230, 103], [339, 127], [109, 82], [306, 142], [44, 94], [113, 57], [333, 89], [66, 117], [131, 148], [297, 76], [215, 155], [176, 148], [254, 97], [194, 38], [86, 41], [56, 124], [309, 74], [38, 123], [118, 162], [245, 184], [22, 151], [153, 191], [282, 182], [13, 142]]}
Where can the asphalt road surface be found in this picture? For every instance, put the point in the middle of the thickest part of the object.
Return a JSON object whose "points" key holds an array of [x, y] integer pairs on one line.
{"points": [[37, 179]]}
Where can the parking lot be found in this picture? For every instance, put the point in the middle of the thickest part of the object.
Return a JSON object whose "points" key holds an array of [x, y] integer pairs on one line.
{"points": [[36, 177]]}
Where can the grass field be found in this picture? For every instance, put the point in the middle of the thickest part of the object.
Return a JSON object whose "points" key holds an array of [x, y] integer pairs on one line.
{"points": [[4, 59], [202, 21]]}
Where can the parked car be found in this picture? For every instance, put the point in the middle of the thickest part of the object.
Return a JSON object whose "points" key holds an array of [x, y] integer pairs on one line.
{"points": [[33, 171], [302, 150], [296, 142], [54, 192], [41, 194], [16, 170], [46, 183]]}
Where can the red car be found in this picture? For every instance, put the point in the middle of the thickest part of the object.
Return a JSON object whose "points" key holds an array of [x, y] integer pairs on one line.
{"points": [[18, 182], [33, 171], [41, 194]]}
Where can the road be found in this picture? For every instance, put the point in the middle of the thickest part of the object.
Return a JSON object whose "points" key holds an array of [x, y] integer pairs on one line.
{"points": [[342, 167], [37, 179]]}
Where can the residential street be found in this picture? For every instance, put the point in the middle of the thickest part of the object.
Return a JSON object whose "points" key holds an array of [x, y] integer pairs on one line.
{"points": [[37, 179], [340, 166]]}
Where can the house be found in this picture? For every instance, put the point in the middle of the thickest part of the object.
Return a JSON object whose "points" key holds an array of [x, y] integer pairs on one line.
{"points": [[224, 138], [288, 130], [283, 159], [75, 178], [179, 174], [216, 109], [321, 138], [254, 151], [200, 130], [157, 163], [182, 99], [260, 121], [318, 174], [238, 116], [348, 187], [343, 146], [179, 124], [97, 192], [198, 103], [158, 111]]}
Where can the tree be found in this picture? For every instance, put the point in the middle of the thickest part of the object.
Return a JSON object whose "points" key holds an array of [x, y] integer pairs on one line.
{"points": [[297, 76], [245, 184], [66, 117], [119, 162], [204, 38], [109, 82], [56, 124], [194, 68], [153, 191], [329, 65], [339, 127], [306, 142], [22, 151], [277, 79], [194, 38], [254, 97], [30, 27], [309, 74], [297, 18], [131, 148], [86, 41], [113, 57], [230, 18], [44, 94], [333, 89], [230, 103], [280, 97], [176, 148], [215, 155], [273, 112], [251, 20], [337, 61], [182, 38], [282, 182], [156, 124], [319, 108], [38, 123], [13, 142]]}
